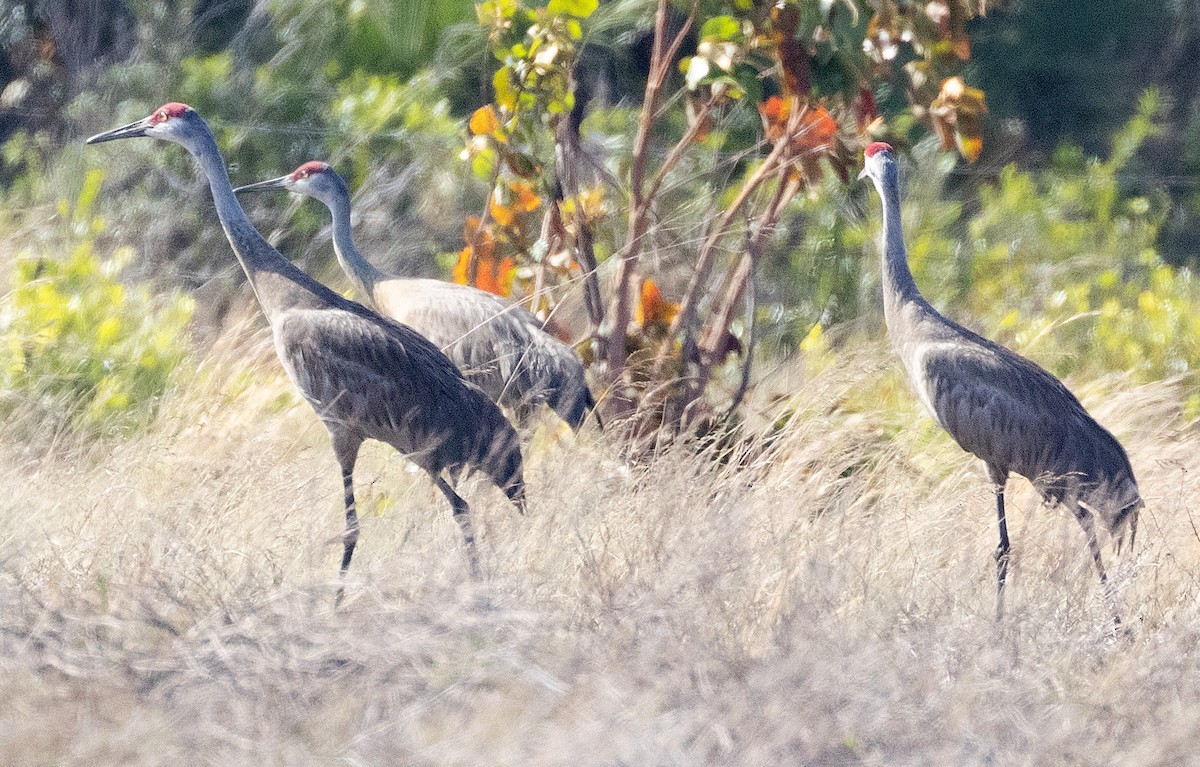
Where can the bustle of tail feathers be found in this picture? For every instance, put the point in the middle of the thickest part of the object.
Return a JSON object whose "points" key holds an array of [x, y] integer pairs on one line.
{"points": [[505, 465]]}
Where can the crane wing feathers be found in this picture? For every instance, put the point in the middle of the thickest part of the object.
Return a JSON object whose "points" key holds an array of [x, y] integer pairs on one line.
{"points": [[1017, 417], [498, 345], [376, 375]]}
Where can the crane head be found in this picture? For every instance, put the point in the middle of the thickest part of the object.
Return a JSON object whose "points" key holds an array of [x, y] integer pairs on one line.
{"points": [[171, 121], [876, 158], [314, 179]]}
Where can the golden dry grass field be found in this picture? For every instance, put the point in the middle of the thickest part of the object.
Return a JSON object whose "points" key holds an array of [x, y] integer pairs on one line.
{"points": [[168, 599]]}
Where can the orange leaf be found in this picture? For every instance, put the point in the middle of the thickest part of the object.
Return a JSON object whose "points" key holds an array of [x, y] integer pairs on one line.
{"points": [[506, 273], [775, 111], [459, 273], [653, 310], [503, 214], [817, 130], [527, 200], [496, 277], [484, 121]]}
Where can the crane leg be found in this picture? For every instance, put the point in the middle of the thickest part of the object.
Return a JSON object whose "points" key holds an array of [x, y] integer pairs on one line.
{"points": [[1002, 549], [347, 454], [462, 515]]}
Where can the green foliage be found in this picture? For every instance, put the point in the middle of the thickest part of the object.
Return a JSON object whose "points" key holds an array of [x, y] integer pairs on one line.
{"points": [[79, 346]]}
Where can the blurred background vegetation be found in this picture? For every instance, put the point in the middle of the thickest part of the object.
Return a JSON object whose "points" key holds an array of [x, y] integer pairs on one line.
{"points": [[1072, 237]]}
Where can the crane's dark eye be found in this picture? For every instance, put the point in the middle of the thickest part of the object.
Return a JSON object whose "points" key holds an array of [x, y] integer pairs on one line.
{"points": [[159, 117]]}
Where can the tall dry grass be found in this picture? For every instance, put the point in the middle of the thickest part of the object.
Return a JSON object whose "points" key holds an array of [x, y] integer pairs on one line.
{"points": [[168, 599]]}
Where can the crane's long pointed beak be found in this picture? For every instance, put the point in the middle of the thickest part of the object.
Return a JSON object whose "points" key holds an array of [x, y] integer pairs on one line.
{"points": [[275, 183], [132, 130], [863, 173]]}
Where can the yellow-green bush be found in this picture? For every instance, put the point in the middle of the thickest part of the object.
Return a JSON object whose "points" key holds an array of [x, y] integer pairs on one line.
{"points": [[79, 346]]}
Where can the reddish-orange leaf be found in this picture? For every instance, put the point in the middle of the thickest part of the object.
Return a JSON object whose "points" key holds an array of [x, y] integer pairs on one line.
{"points": [[775, 111], [526, 200], [495, 277], [484, 121], [817, 130], [653, 310]]}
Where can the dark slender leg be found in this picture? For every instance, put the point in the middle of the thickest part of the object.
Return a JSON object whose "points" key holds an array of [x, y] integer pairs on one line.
{"points": [[347, 452], [462, 515], [1001, 550]]}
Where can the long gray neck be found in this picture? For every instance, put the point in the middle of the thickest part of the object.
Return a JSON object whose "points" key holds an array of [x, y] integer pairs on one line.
{"points": [[353, 263], [277, 284], [899, 288]]}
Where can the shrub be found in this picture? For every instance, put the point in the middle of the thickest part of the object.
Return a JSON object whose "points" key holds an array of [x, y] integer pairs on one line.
{"points": [[79, 347]]}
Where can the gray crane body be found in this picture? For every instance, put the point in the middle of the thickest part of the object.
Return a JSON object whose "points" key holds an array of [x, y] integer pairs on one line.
{"points": [[366, 376], [1001, 407], [1013, 415], [496, 344]]}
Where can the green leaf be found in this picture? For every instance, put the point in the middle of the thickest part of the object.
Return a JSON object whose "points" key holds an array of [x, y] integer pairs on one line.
{"points": [[578, 8], [506, 95], [483, 165], [493, 11], [721, 28]]}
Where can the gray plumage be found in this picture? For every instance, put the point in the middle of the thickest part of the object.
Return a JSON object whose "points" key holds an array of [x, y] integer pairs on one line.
{"points": [[998, 405], [497, 345], [367, 377]]}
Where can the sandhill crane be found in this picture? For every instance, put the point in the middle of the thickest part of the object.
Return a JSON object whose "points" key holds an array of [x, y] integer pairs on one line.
{"points": [[497, 345], [368, 377], [999, 405]]}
